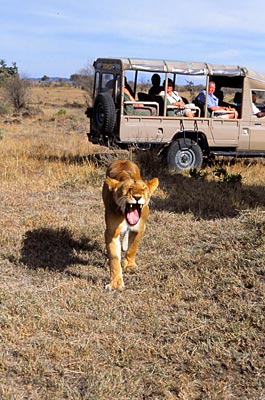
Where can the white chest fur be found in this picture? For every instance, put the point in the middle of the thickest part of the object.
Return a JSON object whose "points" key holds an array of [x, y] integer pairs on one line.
{"points": [[124, 233]]}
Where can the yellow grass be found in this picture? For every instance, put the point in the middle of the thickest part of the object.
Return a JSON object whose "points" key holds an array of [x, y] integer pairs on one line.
{"points": [[190, 323]]}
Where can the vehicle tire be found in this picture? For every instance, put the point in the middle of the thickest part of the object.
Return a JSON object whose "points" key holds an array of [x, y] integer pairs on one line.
{"points": [[104, 114], [184, 154]]}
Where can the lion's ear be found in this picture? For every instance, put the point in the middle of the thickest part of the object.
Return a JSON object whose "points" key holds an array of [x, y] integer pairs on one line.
{"points": [[152, 185], [112, 183]]}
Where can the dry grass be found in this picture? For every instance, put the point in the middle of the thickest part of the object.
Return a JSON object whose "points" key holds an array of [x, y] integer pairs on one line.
{"points": [[190, 323]]}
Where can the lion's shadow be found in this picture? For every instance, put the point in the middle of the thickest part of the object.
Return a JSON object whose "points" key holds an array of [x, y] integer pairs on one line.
{"points": [[56, 249]]}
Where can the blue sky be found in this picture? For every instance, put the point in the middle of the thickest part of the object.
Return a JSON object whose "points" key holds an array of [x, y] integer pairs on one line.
{"points": [[59, 38]]}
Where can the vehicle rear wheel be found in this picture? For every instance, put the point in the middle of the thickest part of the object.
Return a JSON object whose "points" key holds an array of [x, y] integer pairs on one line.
{"points": [[184, 154], [104, 113]]}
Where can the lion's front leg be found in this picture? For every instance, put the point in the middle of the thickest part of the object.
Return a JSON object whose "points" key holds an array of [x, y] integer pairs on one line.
{"points": [[113, 246], [134, 240]]}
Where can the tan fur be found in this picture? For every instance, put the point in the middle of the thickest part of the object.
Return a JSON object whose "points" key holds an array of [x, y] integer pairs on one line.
{"points": [[126, 196]]}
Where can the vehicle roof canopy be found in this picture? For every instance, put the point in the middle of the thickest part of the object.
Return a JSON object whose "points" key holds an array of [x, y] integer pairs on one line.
{"points": [[179, 67]]}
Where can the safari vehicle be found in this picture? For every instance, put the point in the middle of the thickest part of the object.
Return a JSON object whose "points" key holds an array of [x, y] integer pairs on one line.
{"points": [[184, 141]]}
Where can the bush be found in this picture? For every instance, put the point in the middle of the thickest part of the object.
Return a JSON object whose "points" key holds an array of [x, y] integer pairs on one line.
{"points": [[17, 92], [4, 109], [223, 176]]}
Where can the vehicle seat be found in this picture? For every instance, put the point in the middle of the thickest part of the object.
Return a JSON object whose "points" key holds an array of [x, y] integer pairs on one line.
{"points": [[238, 102], [238, 98], [160, 100], [129, 109], [201, 106], [144, 97]]}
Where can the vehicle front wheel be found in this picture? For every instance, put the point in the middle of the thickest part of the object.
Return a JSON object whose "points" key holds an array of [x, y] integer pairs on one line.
{"points": [[184, 154]]}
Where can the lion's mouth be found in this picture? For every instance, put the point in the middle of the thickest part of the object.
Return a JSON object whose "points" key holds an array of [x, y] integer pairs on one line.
{"points": [[133, 213]]}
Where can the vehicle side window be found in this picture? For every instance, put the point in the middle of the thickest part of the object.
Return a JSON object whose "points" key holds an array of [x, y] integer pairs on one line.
{"points": [[107, 83], [258, 98]]}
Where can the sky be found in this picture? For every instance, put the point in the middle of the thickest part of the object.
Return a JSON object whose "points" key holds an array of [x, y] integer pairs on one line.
{"points": [[61, 37]]}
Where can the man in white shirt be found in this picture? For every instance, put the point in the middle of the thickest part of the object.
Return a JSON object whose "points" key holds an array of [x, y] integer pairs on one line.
{"points": [[256, 111]]}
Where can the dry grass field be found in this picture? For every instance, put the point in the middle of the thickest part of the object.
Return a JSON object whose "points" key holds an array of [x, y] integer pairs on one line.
{"points": [[189, 324]]}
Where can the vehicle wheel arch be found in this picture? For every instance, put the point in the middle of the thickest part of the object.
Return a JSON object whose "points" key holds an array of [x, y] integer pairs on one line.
{"points": [[198, 137]]}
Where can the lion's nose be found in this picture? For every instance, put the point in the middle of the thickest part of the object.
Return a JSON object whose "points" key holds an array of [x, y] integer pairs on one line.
{"points": [[137, 198]]}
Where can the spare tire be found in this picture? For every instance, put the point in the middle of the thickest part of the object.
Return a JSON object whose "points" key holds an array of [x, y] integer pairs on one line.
{"points": [[104, 114]]}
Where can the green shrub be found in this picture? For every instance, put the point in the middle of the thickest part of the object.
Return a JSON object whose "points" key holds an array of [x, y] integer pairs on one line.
{"points": [[223, 176], [61, 112]]}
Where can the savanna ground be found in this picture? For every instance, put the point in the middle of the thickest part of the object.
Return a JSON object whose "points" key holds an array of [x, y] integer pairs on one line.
{"points": [[190, 322]]}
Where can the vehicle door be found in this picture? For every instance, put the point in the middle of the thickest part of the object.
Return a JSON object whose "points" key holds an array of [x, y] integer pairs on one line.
{"points": [[224, 130], [257, 125]]}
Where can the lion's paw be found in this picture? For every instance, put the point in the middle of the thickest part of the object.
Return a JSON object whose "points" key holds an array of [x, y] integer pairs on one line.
{"points": [[127, 265], [115, 286]]}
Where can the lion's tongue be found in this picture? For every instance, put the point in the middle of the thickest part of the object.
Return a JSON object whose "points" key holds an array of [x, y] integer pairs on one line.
{"points": [[132, 216]]}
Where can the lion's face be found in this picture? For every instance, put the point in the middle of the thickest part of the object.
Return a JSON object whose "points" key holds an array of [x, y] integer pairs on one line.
{"points": [[131, 196]]}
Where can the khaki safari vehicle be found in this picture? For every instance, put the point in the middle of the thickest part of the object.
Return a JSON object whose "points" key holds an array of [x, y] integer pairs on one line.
{"points": [[147, 121]]}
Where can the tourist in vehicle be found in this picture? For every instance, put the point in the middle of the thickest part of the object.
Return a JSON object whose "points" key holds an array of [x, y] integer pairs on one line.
{"points": [[156, 88], [213, 103], [256, 111], [127, 86], [174, 99], [135, 107]]}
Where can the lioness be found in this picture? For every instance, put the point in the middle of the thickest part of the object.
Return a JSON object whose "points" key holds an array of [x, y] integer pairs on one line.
{"points": [[126, 196]]}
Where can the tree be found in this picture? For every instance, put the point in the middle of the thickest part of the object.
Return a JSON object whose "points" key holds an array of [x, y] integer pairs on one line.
{"points": [[6, 72], [45, 78], [84, 78], [17, 92]]}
